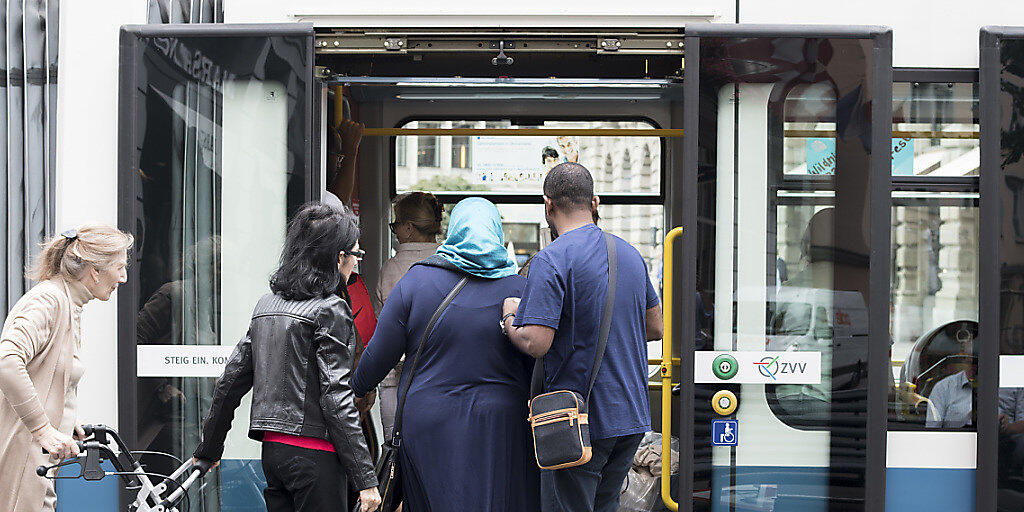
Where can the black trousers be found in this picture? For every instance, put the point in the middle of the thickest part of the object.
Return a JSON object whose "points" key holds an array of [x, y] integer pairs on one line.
{"points": [[303, 480], [594, 486]]}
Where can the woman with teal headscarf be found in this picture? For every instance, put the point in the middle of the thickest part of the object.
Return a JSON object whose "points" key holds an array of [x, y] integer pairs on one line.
{"points": [[465, 443]]}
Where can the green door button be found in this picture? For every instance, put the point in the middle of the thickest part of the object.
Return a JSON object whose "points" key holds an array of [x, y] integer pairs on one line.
{"points": [[725, 367]]}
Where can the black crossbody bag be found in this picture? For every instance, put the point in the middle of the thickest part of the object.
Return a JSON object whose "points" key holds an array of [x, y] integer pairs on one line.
{"points": [[558, 419], [389, 478]]}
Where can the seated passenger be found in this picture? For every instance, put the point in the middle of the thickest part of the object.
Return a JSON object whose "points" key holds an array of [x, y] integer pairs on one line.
{"points": [[1011, 431], [465, 443], [951, 401]]}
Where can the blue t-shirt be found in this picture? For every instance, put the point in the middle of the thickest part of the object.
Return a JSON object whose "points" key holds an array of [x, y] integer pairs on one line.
{"points": [[565, 290]]}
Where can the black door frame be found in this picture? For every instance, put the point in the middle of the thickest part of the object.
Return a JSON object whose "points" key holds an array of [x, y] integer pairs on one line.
{"points": [[879, 233], [992, 214], [128, 144]]}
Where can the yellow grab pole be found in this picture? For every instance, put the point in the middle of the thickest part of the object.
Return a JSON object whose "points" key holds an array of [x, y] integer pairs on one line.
{"points": [[668, 251], [339, 105]]}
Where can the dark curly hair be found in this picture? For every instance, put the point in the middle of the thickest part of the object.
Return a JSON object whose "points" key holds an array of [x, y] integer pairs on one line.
{"points": [[309, 262]]}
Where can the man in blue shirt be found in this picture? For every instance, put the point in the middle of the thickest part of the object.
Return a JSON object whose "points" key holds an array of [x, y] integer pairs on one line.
{"points": [[558, 319]]}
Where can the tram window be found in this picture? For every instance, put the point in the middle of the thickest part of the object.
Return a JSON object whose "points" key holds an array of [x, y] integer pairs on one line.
{"points": [[934, 263], [937, 123], [503, 164], [526, 231], [934, 267], [402, 151], [492, 166], [462, 146], [427, 154]]}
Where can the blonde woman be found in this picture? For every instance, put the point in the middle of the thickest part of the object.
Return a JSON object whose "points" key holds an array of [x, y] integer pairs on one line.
{"points": [[40, 366], [416, 226]]}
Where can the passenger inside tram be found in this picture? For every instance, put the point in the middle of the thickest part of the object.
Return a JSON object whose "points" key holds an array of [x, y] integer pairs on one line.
{"points": [[951, 401], [1011, 432]]}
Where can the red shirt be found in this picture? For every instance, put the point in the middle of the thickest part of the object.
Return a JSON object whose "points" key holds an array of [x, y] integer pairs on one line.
{"points": [[362, 309], [310, 443]]}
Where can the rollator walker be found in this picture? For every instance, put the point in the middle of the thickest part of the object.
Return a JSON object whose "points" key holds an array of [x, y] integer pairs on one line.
{"points": [[166, 495]]}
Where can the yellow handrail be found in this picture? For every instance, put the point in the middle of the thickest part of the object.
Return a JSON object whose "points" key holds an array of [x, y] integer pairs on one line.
{"points": [[526, 132], [632, 132], [666, 371], [657, 360]]}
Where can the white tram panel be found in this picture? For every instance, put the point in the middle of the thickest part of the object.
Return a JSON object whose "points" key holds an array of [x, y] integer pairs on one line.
{"points": [[766, 441]]}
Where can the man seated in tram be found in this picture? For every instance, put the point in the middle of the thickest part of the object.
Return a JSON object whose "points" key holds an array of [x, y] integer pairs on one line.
{"points": [[1011, 432], [951, 401]]}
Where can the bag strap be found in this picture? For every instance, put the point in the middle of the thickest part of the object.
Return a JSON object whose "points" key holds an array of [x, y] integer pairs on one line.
{"points": [[606, 318], [537, 379], [396, 437]]}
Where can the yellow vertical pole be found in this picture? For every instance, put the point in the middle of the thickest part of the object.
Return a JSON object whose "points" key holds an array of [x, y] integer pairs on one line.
{"points": [[339, 104], [668, 257]]}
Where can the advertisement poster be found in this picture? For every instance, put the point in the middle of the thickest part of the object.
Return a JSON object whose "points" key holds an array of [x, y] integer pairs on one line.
{"points": [[821, 156], [519, 162]]}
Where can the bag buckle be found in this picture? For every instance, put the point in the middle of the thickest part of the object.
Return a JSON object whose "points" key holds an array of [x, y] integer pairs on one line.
{"points": [[396, 440]]}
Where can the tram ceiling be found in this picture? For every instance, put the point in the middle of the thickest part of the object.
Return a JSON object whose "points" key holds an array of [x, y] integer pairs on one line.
{"points": [[342, 42], [489, 53]]}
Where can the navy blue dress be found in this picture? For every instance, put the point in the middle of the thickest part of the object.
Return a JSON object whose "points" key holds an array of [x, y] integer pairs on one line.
{"points": [[465, 441]]}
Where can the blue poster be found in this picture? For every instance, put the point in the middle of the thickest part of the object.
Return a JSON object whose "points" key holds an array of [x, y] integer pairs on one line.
{"points": [[821, 156], [903, 157]]}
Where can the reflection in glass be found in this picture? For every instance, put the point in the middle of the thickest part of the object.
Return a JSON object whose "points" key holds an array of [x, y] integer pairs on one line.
{"points": [[934, 279], [939, 122], [222, 158], [1010, 104], [783, 264]]}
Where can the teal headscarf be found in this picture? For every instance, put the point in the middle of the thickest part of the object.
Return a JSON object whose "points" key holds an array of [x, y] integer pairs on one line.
{"points": [[475, 242]]}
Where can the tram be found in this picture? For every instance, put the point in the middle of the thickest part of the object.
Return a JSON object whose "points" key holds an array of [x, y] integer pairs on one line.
{"points": [[835, 227]]}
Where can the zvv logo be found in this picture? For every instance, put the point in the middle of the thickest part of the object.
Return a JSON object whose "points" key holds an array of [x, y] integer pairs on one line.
{"points": [[770, 367]]}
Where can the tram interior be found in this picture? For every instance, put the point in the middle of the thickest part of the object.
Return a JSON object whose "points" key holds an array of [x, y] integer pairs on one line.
{"points": [[594, 109]]}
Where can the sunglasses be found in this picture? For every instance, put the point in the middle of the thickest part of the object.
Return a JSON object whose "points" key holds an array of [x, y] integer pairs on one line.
{"points": [[359, 254], [394, 226]]}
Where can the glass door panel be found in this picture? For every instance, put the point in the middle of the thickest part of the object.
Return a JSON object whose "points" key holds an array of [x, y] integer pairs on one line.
{"points": [[1001, 323], [792, 215], [214, 154]]}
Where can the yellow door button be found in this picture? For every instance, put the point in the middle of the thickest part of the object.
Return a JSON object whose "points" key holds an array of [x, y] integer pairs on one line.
{"points": [[724, 402]]}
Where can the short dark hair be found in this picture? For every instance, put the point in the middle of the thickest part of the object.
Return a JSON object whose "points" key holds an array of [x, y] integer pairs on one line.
{"points": [[569, 186], [548, 152], [309, 262]]}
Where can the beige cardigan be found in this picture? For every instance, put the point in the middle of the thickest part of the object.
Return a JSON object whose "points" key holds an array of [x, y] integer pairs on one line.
{"points": [[390, 273], [37, 349]]}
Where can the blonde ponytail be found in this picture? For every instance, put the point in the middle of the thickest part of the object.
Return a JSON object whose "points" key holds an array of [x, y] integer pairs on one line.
{"points": [[72, 252]]}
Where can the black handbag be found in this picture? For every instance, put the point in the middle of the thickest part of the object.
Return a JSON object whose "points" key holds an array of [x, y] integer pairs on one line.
{"points": [[389, 477], [558, 419]]}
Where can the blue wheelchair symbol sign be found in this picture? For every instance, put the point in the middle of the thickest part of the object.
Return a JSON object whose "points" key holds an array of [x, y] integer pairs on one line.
{"points": [[724, 432]]}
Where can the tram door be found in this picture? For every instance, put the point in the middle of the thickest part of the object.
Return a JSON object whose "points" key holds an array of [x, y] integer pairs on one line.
{"points": [[1001, 449], [214, 154], [787, 143]]}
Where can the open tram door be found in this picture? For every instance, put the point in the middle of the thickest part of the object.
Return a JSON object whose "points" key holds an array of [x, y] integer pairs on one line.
{"points": [[216, 150], [785, 407]]}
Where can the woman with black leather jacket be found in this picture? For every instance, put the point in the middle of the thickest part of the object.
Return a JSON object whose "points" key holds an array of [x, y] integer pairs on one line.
{"points": [[297, 358]]}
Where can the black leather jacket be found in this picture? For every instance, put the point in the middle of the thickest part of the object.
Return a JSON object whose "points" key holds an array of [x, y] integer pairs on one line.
{"points": [[297, 357]]}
